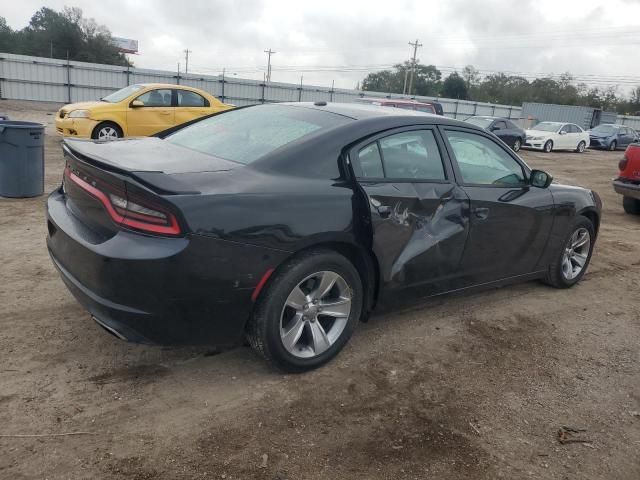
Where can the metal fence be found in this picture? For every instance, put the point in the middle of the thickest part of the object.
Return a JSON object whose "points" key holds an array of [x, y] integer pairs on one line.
{"points": [[52, 80]]}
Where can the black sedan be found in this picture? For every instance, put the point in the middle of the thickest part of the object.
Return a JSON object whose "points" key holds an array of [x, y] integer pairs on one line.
{"points": [[503, 128], [285, 224]]}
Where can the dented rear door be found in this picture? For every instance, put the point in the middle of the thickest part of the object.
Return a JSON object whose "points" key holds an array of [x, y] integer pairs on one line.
{"points": [[419, 217]]}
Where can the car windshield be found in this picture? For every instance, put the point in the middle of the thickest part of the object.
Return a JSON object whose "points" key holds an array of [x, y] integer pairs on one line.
{"points": [[479, 121], [547, 127], [123, 93], [604, 130], [247, 134]]}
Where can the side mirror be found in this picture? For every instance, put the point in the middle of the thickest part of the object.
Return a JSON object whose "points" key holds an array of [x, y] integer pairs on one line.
{"points": [[136, 104], [540, 179], [563, 132]]}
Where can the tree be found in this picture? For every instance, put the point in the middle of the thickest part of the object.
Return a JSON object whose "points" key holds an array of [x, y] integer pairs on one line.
{"points": [[426, 80], [454, 86], [52, 33], [471, 76]]}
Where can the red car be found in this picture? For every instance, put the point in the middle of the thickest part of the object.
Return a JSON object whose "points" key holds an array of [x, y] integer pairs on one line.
{"points": [[434, 108], [628, 182]]}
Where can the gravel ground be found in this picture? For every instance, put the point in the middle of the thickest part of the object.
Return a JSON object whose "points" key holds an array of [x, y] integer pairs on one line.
{"points": [[469, 386]]}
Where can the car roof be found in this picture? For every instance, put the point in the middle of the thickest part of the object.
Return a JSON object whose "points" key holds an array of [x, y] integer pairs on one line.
{"points": [[405, 101], [359, 111]]}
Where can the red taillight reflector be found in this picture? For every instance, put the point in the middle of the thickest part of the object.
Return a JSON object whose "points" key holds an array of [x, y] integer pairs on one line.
{"points": [[263, 280], [125, 212]]}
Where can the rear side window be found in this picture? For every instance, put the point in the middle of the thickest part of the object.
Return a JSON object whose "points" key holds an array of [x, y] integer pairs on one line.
{"points": [[483, 162], [403, 156], [247, 134], [191, 99], [370, 161]]}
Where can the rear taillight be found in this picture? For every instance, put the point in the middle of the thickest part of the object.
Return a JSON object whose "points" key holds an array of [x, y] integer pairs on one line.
{"points": [[133, 212], [622, 165]]}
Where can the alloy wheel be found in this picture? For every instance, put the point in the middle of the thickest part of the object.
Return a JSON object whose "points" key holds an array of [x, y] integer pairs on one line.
{"points": [[315, 314], [516, 145], [581, 147], [576, 253], [107, 133]]}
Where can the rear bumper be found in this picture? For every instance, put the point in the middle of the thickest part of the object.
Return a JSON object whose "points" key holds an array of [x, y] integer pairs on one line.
{"points": [[190, 291], [627, 189]]}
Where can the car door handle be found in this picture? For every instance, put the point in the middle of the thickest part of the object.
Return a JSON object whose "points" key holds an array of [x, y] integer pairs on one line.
{"points": [[165, 113], [481, 212]]}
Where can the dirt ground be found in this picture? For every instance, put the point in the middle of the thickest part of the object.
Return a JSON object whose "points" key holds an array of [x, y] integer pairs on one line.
{"points": [[474, 386]]}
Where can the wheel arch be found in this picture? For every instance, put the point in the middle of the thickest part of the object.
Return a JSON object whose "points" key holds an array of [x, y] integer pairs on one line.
{"points": [[593, 216], [362, 259]]}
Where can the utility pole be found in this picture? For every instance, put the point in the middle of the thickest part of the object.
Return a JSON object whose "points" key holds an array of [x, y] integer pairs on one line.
{"points": [[186, 60], [413, 62], [269, 53]]}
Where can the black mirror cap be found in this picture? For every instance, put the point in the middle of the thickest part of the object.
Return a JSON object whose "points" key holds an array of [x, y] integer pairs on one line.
{"points": [[540, 179]]}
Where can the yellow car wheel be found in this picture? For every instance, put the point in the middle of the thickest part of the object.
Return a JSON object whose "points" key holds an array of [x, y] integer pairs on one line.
{"points": [[107, 131]]}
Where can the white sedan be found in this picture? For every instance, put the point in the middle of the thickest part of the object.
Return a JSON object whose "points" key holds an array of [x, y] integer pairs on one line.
{"points": [[547, 136]]}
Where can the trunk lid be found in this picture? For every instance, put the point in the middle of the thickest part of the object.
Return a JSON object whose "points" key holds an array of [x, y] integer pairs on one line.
{"points": [[148, 154]]}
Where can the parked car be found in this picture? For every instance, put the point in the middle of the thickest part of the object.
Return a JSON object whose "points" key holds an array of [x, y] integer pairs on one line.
{"points": [[288, 223], [548, 136], [627, 183], [137, 110], [611, 136], [432, 107], [503, 128]]}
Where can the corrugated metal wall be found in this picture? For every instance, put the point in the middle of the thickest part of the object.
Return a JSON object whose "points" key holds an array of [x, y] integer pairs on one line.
{"points": [[45, 79], [37, 78]]}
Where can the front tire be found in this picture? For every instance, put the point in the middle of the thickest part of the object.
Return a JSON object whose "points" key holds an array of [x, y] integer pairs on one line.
{"points": [[107, 131], [613, 146], [307, 312], [517, 145], [581, 147], [631, 205], [548, 146], [573, 259]]}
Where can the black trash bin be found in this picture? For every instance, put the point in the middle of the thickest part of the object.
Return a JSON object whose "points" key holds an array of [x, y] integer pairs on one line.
{"points": [[21, 159]]}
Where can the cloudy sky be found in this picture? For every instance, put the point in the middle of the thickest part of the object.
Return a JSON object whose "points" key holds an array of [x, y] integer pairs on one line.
{"points": [[341, 41]]}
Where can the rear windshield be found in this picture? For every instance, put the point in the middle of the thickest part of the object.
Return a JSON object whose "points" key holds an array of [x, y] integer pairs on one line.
{"points": [[479, 121], [247, 134]]}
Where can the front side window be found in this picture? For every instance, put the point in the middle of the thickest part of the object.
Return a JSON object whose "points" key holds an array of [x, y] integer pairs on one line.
{"points": [[564, 129], [156, 98], [483, 162], [412, 154], [191, 99]]}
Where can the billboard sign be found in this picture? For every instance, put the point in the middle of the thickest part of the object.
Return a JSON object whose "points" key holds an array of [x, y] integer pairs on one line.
{"points": [[125, 45]]}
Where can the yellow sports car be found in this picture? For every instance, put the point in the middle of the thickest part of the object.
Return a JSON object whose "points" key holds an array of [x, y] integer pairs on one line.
{"points": [[137, 110]]}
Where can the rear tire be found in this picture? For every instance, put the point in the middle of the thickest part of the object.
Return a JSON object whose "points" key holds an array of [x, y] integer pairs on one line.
{"points": [[581, 147], [277, 313], [106, 131], [548, 146], [613, 146], [517, 145], [631, 205], [564, 272]]}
